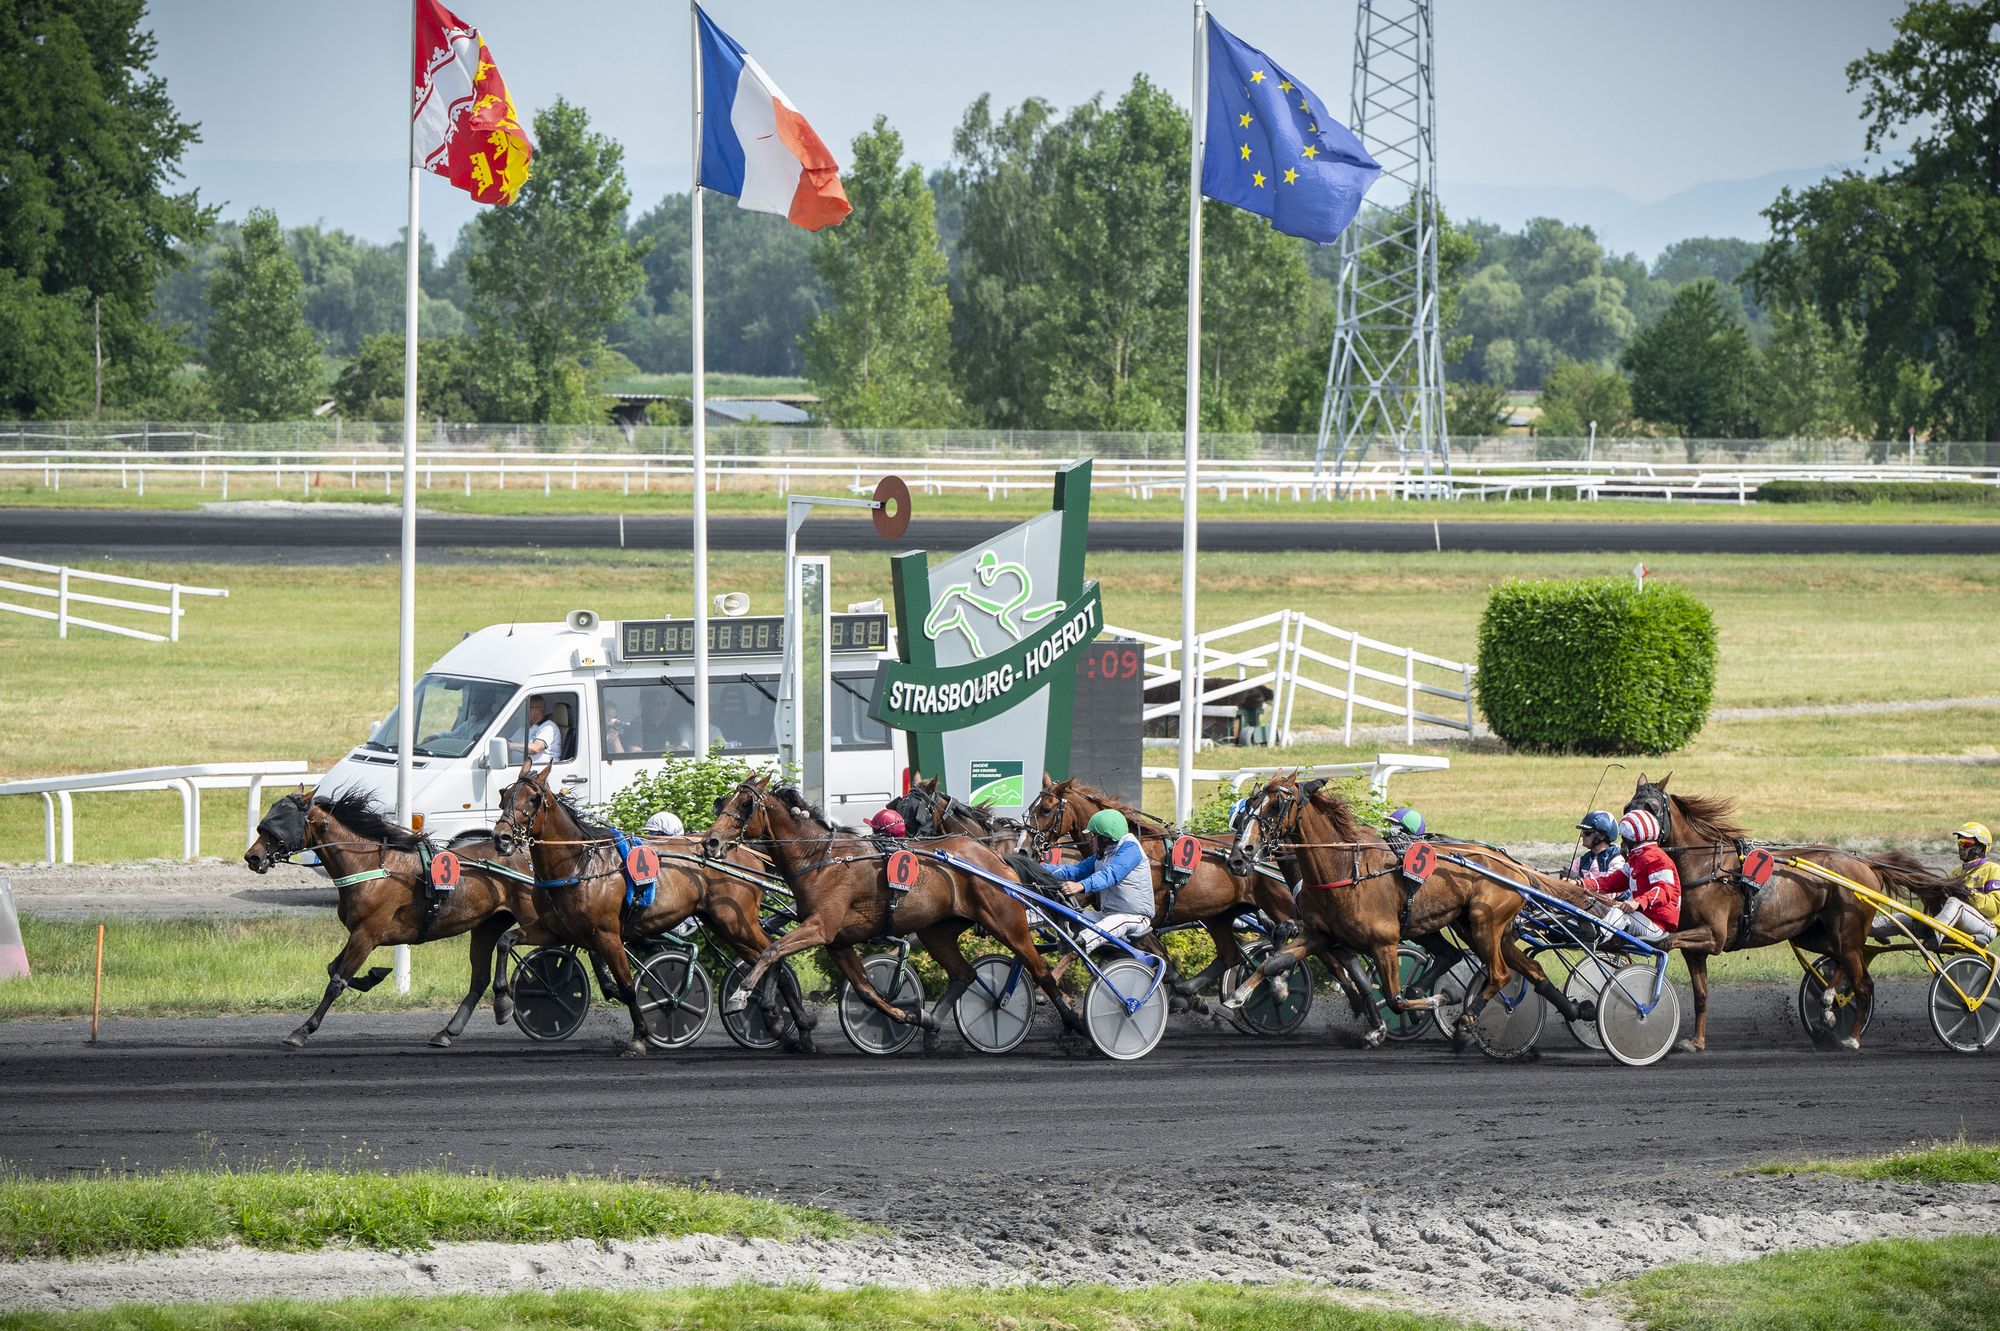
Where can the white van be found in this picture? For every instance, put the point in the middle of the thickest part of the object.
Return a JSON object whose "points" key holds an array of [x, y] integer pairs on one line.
{"points": [[621, 693]]}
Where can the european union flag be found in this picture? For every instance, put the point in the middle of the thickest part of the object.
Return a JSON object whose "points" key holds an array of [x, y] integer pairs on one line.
{"points": [[1273, 149]]}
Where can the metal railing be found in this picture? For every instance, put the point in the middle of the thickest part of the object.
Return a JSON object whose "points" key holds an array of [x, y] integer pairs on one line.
{"points": [[64, 595], [59, 817], [1378, 772]]}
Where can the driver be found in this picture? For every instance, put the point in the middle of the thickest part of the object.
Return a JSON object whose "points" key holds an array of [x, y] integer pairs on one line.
{"points": [[1117, 873], [1979, 911], [1648, 875], [1600, 845], [889, 823]]}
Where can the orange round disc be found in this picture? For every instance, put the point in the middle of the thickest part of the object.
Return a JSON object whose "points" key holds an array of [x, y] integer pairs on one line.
{"points": [[892, 494]]}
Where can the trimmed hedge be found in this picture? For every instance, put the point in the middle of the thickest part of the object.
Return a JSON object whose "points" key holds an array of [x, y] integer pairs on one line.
{"points": [[1876, 492], [1595, 666]]}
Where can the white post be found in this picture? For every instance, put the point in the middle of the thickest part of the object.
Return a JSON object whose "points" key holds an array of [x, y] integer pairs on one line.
{"points": [[174, 615], [406, 620], [48, 827], [1353, 660], [699, 407], [1409, 696], [62, 604], [1190, 727], [68, 826], [1471, 724]]}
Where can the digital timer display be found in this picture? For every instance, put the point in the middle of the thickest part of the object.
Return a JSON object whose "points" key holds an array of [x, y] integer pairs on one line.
{"points": [[761, 635], [1112, 662]]}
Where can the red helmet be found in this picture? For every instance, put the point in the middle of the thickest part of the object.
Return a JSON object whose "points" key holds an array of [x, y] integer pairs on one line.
{"points": [[889, 822], [1639, 827]]}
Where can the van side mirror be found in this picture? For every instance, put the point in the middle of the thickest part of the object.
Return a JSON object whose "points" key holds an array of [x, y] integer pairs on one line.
{"points": [[496, 754]]}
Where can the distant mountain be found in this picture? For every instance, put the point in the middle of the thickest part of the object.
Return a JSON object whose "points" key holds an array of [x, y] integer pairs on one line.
{"points": [[1712, 208]]}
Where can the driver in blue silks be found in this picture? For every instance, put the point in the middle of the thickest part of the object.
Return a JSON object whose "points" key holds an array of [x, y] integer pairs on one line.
{"points": [[1118, 874]]}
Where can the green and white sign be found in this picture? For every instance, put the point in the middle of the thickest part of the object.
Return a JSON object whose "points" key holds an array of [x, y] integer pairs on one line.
{"points": [[988, 639]]}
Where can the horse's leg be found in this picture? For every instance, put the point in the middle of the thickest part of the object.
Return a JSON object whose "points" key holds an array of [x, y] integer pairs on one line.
{"points": [[1850, 953], [803, 935], [733, 915], [1697, 964], [1277, 963], [607, 952], [1227, 954], [484, 936], [340, 978], [849, 961], [1573, 1012], [941, 941], [1485, 930]]}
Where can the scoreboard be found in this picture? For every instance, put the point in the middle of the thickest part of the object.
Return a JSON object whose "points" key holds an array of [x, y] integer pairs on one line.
{"points": [[745, 635], [1104, 747]]}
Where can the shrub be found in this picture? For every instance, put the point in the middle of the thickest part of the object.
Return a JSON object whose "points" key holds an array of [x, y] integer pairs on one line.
{"points": [[1876, 492], [688, 786], [1595, 666]]}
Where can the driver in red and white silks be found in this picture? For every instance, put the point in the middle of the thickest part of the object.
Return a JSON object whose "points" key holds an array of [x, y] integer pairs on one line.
{"points": [[1654, 908]]}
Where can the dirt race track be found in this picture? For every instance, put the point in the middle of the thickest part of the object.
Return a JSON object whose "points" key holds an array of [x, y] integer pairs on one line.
{"points": [[1491, 1190]]}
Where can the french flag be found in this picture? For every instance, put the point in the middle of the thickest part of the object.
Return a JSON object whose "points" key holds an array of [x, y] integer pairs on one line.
{"points": [[755, 144]]}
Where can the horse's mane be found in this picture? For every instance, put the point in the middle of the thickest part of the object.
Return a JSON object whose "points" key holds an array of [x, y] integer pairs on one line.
{"points": [[791, 798], [592, 828], [357, 811], [979, 813], [1138, 817], [1709, 819], [1346, 827]]}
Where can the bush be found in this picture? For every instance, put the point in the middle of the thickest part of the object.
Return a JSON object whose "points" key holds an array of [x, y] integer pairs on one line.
{"points": [[687, 786], [1876, 492], [1595, 666]]}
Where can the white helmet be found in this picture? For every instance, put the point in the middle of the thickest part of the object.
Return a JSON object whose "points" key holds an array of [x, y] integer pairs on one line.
{"points": [[666, 823]]}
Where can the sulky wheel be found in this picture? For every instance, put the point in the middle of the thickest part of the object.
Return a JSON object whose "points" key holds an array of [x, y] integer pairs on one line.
{"points": [[749, 1028], [551, 994], [1965, 1004], [1117, 1032], [674, 999], [1411, 961], [1450, 994], [1504, 1032], [867, 1028], [1638, 1030], [1585, 980], [1812, 991], [995, 1013], [1264, 1014]]}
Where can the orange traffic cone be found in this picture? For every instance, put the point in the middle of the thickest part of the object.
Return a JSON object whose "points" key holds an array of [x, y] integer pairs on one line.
{"points": [[13, 953]]}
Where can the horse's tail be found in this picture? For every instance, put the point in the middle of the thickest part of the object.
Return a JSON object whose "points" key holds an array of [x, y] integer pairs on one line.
{"points": [[1903, 872]]}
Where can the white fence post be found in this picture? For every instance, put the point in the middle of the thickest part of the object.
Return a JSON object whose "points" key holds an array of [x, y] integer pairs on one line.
{"points": [[1409, 697], [174, 616], [1353, 659], [62, 604], [1471, 724]]}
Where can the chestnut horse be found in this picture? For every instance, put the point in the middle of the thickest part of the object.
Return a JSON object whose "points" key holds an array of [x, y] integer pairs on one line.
{"points": [[1721, 912], [841, 889], [353, 837], [580, 896], [1353, 896]]}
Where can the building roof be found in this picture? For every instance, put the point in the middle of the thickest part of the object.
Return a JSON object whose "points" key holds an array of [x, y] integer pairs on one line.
{"points": [[742, 411]]}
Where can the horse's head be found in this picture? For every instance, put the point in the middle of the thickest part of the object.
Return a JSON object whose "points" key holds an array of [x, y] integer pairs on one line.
{"points": [[523, 806], [921, 810], [1653, 798], [738, 815], [1052, 815], [1269, 817], [282, 834]]}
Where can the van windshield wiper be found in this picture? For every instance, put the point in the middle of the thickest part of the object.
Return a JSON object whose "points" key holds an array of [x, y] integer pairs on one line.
{"points": [[758, 685], [850, 688], [686, 697]]}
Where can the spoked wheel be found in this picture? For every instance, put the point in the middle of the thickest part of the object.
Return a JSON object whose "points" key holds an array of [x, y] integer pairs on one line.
{"points": [[1450, 994], [748, 1027], [1116, 1032], [1586, 980], [1968, 1021], [867, 1027], [1631, 1034], [1411, 961], [675, 999], [1264, 1014], [551, 994], [1812, 998], [995, 1013], [1505, 1032]]}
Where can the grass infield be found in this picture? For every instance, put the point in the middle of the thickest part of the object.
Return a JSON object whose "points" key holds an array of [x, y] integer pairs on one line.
{"points": [[301, 1208], [1957, 1161]]}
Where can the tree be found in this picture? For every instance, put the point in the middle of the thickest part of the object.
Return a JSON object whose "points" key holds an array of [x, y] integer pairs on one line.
{"points": [[1473, 411], [1576, 394], [880, 356], [263, 360], [88, 224], [551, 272], [449, 386], [1692, 370], [1906, 257], [1807, 378]]}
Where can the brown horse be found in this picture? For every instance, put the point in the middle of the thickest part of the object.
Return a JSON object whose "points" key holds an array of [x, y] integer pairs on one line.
{"points": [[1721, 912], [840, 884], [1214, 894], [580, 896], [352, 837], [1353, 896]]}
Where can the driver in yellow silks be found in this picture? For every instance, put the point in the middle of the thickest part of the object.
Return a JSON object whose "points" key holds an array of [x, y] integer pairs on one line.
{"points": [[1982, 871]]}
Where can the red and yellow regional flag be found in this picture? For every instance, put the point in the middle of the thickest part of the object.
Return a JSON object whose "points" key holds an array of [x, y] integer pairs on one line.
{"points": [[465, 129]]}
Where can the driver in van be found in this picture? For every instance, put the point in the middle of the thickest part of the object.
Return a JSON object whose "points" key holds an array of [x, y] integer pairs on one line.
{"points": [[544, 737], [655, 730]]}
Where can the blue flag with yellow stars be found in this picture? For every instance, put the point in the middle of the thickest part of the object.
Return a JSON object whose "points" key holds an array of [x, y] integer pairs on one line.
{"points": [[1273, 149]]}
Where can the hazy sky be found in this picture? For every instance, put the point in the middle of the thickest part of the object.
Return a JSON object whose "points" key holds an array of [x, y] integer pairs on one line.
{"points": [[1645, 99]]}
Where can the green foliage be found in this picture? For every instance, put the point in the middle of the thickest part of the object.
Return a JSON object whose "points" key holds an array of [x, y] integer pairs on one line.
{"points": [[553, 271], [1575, 394], [880, 356], [1595, 666], [688, 787], [45, 350], [1540, 297], [1888, 1285], [1693, 369], [450, 382], [1955, 1161], [1876, 492], [1807, 382], [263, 361]]}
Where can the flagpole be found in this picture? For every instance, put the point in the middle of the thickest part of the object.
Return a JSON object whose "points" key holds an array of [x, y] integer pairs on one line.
{"points": [[699, 406], [406, 620], [1190, 727]]}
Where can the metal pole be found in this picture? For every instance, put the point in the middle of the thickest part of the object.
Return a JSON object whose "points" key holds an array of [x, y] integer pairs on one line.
{"points": [[1191, 499], [699, 407], [406, 620]]}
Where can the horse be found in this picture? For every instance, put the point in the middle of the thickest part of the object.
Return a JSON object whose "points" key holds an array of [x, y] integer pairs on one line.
{"points": [[1722, 912], [353, 837], [580, 894], [843, 898], [1213, 896], [1352, 896], [929, 812]]}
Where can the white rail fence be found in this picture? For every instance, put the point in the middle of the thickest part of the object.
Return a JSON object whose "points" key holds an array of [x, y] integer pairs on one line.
{"points": [[1289, 650], [302, 472], [59, 814], [1378, 772], [65, 595]]}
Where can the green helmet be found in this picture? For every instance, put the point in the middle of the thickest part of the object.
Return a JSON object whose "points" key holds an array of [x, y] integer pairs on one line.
{"points": [[1108, 823]]}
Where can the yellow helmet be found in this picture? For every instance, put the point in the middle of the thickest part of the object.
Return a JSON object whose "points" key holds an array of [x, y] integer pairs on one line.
{"points": [[1976, 832]]}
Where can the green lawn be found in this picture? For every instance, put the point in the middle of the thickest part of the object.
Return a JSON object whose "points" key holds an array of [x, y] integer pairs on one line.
{"points": [[1957, 1161], [301, 1207], [300, 662]]}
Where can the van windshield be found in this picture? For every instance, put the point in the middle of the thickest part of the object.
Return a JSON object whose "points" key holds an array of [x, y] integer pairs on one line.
{"points": [[453, 714]]}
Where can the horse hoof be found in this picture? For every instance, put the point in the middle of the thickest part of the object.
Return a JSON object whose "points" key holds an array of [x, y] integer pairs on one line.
{"points": [[442, 1040], [296, 1040], [503, 1011], [933, 1040], [1851, 1044], [1376, 1038], [1178, 1003], [737, 1001], [1687, 1047], [1586, 1011], [632, 1049]]}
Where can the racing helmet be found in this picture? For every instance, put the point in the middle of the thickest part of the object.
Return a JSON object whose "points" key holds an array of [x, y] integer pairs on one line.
{"points": [[1976, 832], [1600, 822], [666, 823], [1639, 827], [1408, 820], [1108, 823], [889, 823]]}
